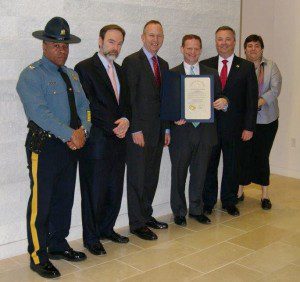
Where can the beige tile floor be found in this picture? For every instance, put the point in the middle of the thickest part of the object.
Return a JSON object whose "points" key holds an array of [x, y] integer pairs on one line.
{"points": [[257, 246]]}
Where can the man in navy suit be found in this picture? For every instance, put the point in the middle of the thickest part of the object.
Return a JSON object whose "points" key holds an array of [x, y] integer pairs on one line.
{"points": [[102, 163], [236, 125], [144, 73], [192, 142]]}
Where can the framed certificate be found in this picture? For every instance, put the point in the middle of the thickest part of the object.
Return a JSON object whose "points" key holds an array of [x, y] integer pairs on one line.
{"points": [[197, 98], [188, 97]]}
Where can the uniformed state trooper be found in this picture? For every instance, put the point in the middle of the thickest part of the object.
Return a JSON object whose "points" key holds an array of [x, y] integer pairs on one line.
{"points": [[57, 112]]}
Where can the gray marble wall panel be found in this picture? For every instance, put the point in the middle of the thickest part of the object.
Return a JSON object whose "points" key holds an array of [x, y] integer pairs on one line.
{"points": [[19, 18]]}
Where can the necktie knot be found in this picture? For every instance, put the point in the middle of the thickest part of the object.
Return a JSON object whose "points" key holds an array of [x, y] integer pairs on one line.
{"points": [[192, 72], [224, 62], [110, 65]]}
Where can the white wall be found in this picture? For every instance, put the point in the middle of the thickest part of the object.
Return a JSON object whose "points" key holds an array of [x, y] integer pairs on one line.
{"points": [[19, 18], [278, 23]]}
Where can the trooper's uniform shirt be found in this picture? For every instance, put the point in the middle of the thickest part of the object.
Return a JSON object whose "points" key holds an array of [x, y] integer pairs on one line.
{"points": [[52, 172], [45, 99]]}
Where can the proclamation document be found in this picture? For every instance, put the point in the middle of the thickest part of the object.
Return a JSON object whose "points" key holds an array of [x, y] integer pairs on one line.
{"points": [[198, 98]]}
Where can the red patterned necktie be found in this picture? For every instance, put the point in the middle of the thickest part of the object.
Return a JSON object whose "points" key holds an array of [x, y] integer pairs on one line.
{"points": [[223, 74], [156, 71]]}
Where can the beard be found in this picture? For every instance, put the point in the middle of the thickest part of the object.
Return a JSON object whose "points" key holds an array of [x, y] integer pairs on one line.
{"points": [[110, 55]]}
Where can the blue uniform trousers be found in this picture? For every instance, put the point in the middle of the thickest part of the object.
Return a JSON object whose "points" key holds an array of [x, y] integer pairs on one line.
{"points": [[52, 181]]}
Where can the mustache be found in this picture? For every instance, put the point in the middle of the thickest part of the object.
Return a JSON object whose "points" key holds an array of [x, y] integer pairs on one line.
{"points": [[113, 52]]}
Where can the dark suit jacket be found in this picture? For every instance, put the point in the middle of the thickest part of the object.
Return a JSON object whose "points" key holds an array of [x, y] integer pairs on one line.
{"points": [[208, 131], [145, 97], [241, 89], [104, 107]]}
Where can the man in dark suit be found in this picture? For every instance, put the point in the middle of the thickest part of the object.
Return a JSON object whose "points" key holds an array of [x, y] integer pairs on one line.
{"points": [[102, 163], [236, 125], [144, 71], [192, 143]]}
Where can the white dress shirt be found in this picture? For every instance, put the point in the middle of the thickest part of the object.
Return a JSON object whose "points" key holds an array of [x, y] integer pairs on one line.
{"points": [[229, 64], [187, 68]]}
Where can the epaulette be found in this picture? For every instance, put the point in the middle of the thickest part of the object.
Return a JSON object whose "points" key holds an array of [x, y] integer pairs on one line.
{"points": [[34, 65]]}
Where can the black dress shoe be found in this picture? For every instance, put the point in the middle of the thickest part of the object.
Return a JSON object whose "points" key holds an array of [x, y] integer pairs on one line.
{"points": [[117, 238], [96, 249], [153, 223], [266, 204], [232, 210], [201, 218], [46, 270], [144, 233], [180, 220], [69, 255], [241, 198], [207, 210]]}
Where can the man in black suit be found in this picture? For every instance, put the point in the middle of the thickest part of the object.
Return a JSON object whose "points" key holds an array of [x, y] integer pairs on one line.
{"points": [[144, 71], [102, 163], [236, 125], [192, 143]]}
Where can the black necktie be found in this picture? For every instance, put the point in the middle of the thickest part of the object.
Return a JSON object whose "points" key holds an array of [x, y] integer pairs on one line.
{"points": [[75, 122]]}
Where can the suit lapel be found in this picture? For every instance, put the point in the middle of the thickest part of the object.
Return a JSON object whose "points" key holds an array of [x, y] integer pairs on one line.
{"points": [[215, 62], [103, 74], [267, 75], [233, 71], [202, 69], [181, 69], [119, 74]]}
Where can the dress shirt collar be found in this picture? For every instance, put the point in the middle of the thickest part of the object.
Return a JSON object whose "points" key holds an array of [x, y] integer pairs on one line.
{"points": [[229, 59], [187, 68], [148, 54]]}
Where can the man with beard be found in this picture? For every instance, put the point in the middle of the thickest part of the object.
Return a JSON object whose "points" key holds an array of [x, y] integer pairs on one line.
{"points": [[56, 107], [148, 133], [102, 163]]}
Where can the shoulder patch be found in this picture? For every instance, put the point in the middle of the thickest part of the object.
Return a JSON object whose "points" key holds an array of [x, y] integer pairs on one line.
{"points": [[75, 76]]}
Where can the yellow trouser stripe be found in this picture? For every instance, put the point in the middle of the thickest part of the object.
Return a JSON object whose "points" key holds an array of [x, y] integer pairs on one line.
{"points": [[34, 207]]}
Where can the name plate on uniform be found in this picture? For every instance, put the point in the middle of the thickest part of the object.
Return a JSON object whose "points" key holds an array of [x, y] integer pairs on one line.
{"points": [[188, 97]]}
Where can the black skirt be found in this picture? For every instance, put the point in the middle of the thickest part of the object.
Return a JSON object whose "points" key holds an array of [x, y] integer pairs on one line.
{"points": [[254, 165]]}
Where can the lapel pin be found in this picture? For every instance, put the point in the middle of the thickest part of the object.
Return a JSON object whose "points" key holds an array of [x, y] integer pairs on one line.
{"points": [[237, 66]]}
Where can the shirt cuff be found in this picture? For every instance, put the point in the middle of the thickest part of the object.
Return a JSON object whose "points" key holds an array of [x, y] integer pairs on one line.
{"points": [[225, 108], [168, 131], [125, 119]]}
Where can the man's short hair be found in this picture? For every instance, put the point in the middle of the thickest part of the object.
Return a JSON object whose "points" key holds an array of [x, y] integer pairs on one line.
{"points": [[189, 37], [254, 38], [151, 22], [226, 27], [106, 28]]}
